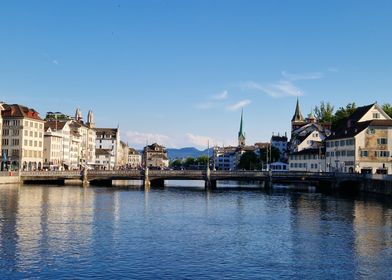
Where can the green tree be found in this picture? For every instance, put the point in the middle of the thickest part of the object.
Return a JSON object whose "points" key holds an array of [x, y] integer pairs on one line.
{"points": [[176, 164], [190, 161], [271, 156], [342, 114], [249, 161], [324, 112], [202, 160], [387, 109]]}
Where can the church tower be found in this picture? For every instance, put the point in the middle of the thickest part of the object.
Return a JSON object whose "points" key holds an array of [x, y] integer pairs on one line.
{"points": [[78, 115], [90, 119], [241, 134], [298, 120]]}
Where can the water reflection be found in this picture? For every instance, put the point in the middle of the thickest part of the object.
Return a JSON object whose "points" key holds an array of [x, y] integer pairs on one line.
{"points": [[191, 233]]}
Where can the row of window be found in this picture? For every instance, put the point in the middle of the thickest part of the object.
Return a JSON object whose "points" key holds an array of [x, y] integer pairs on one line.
{"points": [[33, 134], [344, 153], [376, 153], [6, 142], [13, 152], [342, 143], [32, 143], [304, 165], [10, 132], [304, 157]]}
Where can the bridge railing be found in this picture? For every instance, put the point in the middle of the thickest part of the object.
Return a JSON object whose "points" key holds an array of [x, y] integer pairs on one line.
{"points": [[174, 173], [50, 173], [114, 173]]}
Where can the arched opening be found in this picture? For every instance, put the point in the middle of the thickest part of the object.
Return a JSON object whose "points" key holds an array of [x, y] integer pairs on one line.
{"points": [[39, 165]]}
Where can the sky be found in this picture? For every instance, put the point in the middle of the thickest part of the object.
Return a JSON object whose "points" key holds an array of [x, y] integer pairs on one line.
{"points": [[179, 72]]}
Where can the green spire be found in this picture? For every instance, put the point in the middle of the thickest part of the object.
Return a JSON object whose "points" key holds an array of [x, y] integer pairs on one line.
{"points": [[241, 132]]}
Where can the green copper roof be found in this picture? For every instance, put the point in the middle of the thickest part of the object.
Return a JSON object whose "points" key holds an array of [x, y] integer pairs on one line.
{"points": [[241, 132]]}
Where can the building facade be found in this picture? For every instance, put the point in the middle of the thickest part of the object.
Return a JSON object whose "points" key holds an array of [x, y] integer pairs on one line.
{"points": [[23, 137], [134, 159], [155, 156], [109, 139], [363, 144]]}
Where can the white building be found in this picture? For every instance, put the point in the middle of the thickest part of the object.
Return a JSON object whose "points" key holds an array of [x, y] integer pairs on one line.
{"points": [[23, 137], [109, 139], [104, 159], [53, 149], [363, 145], [280, 143], [307, 160], [134, 159]]}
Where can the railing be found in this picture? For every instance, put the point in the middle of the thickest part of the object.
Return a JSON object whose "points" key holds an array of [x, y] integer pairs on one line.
{"points": [[50, 173], [9, 173]]}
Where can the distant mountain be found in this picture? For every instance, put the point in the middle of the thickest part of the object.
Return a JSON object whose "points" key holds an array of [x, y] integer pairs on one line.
{"points": [[186, 152]]}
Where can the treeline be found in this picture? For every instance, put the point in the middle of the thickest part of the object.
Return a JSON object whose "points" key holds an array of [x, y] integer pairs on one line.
{"points": [[190, 163], [325, 113]]}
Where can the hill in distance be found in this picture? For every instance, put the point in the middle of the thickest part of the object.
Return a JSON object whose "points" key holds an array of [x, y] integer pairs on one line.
{"points": [[187, 152]]}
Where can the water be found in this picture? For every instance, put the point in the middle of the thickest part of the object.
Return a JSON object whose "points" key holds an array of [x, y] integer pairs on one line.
{"points": [[187, 233]]}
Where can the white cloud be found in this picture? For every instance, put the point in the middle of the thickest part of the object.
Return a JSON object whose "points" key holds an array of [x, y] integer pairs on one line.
{"points": [[139, 139], [221, 96], [279, 89], [238, 105], [302, 76], [54, 61], [199, 141]]}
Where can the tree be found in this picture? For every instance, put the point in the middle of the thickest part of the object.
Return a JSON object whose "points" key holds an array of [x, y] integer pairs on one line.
{"points": [[342, 114], [249, 161], [190, 161], [202, 160], [324, 112], [176, 164], [272, 155], [387, 109]]}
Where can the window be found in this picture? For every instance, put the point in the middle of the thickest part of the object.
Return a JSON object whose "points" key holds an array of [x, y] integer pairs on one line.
{"points": [[370, 131], [6, 132], [382, 141], [343, 153], [381, 153], [5, 142], [364, 153], [376, 115], [336, 143], [342, 142]]}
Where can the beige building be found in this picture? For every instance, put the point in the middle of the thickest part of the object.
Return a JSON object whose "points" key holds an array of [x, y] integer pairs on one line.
{"points": [[363, 145], [23, 137], [3, 160], [134, 159], [155, 156]]}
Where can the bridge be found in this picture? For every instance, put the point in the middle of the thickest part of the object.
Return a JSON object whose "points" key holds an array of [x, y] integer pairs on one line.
{"points": [[156, 178]]}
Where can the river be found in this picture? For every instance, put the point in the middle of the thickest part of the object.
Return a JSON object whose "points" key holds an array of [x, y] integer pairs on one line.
{"points": [[178, 232]]}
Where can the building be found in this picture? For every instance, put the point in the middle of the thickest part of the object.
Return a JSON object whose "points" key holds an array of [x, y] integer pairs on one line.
{"points": [[23, 137], [3, 158], [123, 155], [241, 134], [225, 158], [134, 159], [308, 160], [109, 139], [56, 145], [155, 156], [363, 144], [306, 147], [104, 159], [280, 143], [87, 133]]}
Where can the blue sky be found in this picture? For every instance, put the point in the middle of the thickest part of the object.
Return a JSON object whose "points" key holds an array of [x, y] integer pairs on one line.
{"points": [[179, 72]]}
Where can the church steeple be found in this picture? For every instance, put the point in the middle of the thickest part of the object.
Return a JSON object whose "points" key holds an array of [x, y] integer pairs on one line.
{"points": [[297, 115], [298, 120], [90, 119], [241, 134], [78, 115]]}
